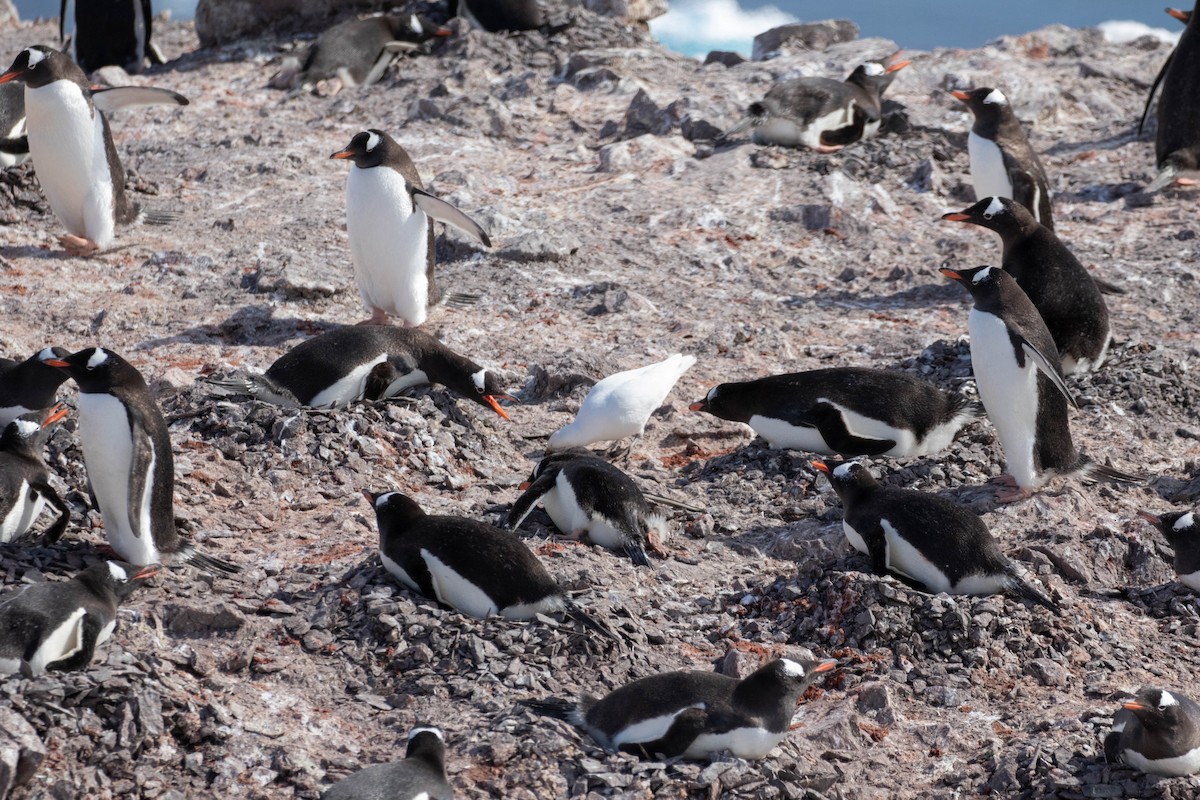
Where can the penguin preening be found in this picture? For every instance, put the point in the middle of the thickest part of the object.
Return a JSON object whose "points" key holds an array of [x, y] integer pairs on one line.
{"points": [[57, 625], [111, 32], [692, 714], [29, 386], [73, 153], [1060, 288], [1003, 163], [127, 453], [25, 488], [1157, 732], [1185, 17], [420, 776], [1182, 531], [845, 410], [1177, 141], [368, 362], [389, 218], [927, 541], [586, 495]]}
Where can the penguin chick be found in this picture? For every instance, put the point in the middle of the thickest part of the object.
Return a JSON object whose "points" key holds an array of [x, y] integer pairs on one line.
{"points": [[25, 488], [1177, 141], [1157, 732], [420, 776], [1183, 533], [29, 386]]}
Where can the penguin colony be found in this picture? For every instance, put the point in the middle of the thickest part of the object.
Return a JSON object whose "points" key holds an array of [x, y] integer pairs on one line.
{"points": [[1039, 317]]}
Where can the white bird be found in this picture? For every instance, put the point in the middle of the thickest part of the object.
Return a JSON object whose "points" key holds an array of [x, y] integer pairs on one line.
{"points": [[619, 405]]}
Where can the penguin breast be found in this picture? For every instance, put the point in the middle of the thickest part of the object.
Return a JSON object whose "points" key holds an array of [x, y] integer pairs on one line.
{"points": [[988, 172], [749, 742], [64, 641]]}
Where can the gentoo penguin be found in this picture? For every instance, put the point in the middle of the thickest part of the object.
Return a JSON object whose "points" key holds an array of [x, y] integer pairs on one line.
{"points": [[1021, 384], [1003, 163], [72, 149], [127, 452], [1060, 288], [499, 15], [390, 221], [25, 479], [358, 51], [694, 714], [28, 386], [1183, 533], [926, 541], [58, 624], [420, 776], [470, 566], [14, 144], [1185, 17], [1177, 141], [111, 32], [584, 494], [369, 362], [1157, 732], [821, 113], [846, 410], [621, 404]]}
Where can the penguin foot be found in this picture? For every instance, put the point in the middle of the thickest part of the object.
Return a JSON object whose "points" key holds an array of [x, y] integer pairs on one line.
{"points": [[1012, 494], [77, 245], [828, 148], [1185, 181], [1004, 480], [378, 317]]}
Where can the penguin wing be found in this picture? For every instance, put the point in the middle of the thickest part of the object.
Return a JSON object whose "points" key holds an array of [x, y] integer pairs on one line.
{"points": [[55, 531], [831, 424], [806, 100], [850, 133], [1112, 742], [1154, 90], [141, 477], [15, 145], [82, 640], [118, 97], [443, 211], [685, 727], [1049, 368], [525, 503]]}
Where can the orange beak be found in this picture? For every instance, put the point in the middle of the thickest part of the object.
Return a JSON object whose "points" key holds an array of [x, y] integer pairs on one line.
{"points": [[696, 406], [56, 362], [1182, 16], [147, 572], [370, 497], [491, 401], [1152, 518], [961, 95], [1133, 705], [951, 274], [10, 76], [825, 666], [957, 216], [342, 154], [59, 411], [524, 485], [443, 31], [899, 65], [820, 465]]}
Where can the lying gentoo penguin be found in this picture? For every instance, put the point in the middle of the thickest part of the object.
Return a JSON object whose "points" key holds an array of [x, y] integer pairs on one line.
{"points": [[621, 404], [926, 541], [1177, 142], [72, 148], [25, 488], [28, 386], [850, 411], [1003, 163], [500, 15], [1183, 533], [127, 452], [586, 495], [358, 51], [420, 776], [368, 362], [390, 221], [14, 144], [470, 566], [1060, 288], [1185, 17], [821, 113], [58, 624], [694, 714], [1156, 732], [111, 32], [1020, 381]]}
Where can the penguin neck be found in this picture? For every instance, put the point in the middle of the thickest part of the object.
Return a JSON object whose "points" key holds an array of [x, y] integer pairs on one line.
{"points": [[453, 371], [98, 585], [428, 752], [762, 695]]}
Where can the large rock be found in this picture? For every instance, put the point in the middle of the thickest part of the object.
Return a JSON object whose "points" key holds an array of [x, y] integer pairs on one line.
{"points": [[21, 751], [803, 36], [222, 21]]}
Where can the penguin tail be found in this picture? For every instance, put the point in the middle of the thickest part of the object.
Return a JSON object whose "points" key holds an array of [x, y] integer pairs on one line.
{"points": [[636, 550], [1093, 471], [257, 386], [555, 707], [1166, 176], [755, 116], [159, 216], [1107, 287], [1027, 590], [962, 405], [212, 564], [461, 300], [576, 614]]}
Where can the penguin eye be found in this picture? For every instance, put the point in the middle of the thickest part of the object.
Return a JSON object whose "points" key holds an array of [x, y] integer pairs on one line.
{"points": [[988, 216]]}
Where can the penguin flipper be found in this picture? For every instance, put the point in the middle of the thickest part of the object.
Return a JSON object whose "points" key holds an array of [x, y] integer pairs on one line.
{"points": [[109, 99], [86, 631], [441, 210], [743, 125], [577, 614], [1048, 367], [687, 725], [15, 145], [386, 56], [555, 707], [55, 531], [1026, 185], [525, 503], [1112, 741], [831, 424], [1153, 90]]}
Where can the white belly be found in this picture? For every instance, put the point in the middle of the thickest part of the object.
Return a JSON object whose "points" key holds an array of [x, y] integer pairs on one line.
{"points": [[855, 538], [398, 572], [63, 642], [988, 173], [1185, 764], [751, 743], [25, 510], [1191, 581], [349, 388], [564, 509], [456, 591], [907, 560], [1009, 394], [784, 131], [780, 434], [389, 243]]}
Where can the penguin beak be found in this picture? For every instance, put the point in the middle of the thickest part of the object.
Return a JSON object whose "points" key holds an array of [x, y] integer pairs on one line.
{"points": [[961, 95], [957, 216], [146, 572], [1133, 705], [951, 274], [1182, 16], [12, 75], [370, 496], [524, 485], [696, 406], [343, 154], [820, 466], [899, 65], [56, 362], [490, 399], [826, 665], [59, 411], [1153, 519], [443, 31]]}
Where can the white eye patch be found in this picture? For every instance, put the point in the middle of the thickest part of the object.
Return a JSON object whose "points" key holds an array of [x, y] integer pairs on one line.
{"points": [[996, 96], [873, 69], [373, 140], [99, 357], [35, 56], [117, 572], [382, 500], [845, 469], [1185, 521], [994, 208], [26, 427], [413, 733], [982, 274], [414, 24], [791, 667], [478, 379]]}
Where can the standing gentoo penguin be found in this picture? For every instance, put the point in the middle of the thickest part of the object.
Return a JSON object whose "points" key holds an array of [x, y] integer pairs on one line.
{"points": [[1183, 533], [420, 776], [1156, 732], [1021, 384], [25, 479], [390, 221], [368, 362], [924, 540], [1003, 163], [621, 404], [1177, 142], [821, 113], [111, 32], [694, 714], [846, 410], [58, 624], [584, 494], [72, 148], [1185, 17], [14, 144], [1060, 288], [127, 452], [29, 385], [470, 566], [499, 15]]}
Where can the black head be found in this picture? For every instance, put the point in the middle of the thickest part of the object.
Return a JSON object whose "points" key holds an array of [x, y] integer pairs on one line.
{"points": [[470, 380], [393, 507], [1175, 525], [1157, 708], [985, 103], [998, 214], [877, 76], [27, 433], [97, 369], [370, 148], [40, 65], [797, 672], [987, 285], [416, 28], [850, 479], [428, 744], [116, 577], [715, 403]]}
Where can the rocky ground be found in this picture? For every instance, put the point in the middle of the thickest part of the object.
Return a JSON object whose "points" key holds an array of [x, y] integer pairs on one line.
{"points": [[620, 237]]}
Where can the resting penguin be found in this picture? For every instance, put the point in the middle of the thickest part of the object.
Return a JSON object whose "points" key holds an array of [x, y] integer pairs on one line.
{"points": [[390, 221], [1157, 732], [127, 452], [368, 362], [72, 148], [111, 32], [584, 494], [58, 624], [1003, 163], [1183, 533], [420, 776], [1184, 17], [821, 113], [846, 410], [926, 541], [28, 386], [25, 488], [470, 566], [1177, 142], [1021, 384], [14, 144], [1060, 288], [694, 714]]}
